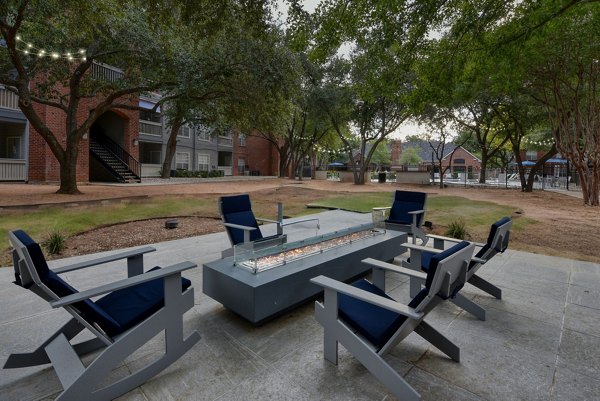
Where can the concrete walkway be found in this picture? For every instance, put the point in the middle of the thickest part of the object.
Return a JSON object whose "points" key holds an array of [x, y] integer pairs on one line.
{"points": [[540, 342]]}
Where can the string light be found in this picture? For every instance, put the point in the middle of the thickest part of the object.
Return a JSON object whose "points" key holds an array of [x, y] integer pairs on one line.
{"points": [[30, 49]]}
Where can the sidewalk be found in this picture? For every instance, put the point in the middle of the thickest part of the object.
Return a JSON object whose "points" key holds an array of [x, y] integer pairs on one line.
{"points": [[540, 342]]}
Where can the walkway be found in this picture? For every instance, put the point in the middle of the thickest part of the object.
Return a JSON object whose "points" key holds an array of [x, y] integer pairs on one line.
{"points": [[540, 342]]}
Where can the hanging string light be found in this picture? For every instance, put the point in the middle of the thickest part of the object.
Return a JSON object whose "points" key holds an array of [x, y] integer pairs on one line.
{"points": [[30, 49]]}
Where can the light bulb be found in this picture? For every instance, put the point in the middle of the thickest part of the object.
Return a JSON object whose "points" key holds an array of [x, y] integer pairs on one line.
{"points": [[29, 45], [18, 37], [82, 51], [55, 56]]}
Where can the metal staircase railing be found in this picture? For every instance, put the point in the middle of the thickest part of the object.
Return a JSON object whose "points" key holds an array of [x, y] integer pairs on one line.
{"points": [[117, 151]]}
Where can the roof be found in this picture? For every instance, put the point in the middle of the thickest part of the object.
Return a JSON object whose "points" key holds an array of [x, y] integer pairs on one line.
{"points": [[425, 149]]}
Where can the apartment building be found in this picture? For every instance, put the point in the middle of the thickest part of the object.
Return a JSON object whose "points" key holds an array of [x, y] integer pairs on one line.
{"points": [[123, 145]]}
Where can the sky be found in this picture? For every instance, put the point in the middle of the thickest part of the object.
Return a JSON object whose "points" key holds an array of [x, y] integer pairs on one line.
{"points": [[405, 129]]}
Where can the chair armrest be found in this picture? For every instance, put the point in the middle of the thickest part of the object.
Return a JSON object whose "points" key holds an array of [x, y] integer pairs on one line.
{"points": [[366, 296], [455, 240], [239, 227], [118, 285], [105, 259], [394, 268], [421, 248], [303, 221], [382, 208], [478, 260], [417, 212], [449, 239], [267, 220]]}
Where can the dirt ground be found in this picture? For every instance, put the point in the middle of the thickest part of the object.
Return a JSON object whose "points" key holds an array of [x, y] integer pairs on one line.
{"points": [[565, 227]]}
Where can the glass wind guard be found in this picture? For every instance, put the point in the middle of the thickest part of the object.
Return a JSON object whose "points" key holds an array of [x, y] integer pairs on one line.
{"points": [[258, 258]]}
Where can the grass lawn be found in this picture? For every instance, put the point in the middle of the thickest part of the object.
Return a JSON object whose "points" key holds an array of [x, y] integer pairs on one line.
{"points": [[441, 210], [39, 223]]}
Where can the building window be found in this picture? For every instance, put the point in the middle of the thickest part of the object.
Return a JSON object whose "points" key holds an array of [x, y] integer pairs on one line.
{"points": [[149, 115], [241, 166], [203, 134], [182, 161], [184, 131], [13, 147], [155, 157], [242, 139], [203, 162], [459, 161]]}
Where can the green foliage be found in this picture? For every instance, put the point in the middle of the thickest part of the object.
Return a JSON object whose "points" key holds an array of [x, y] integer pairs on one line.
{"points": [[410, 156], [456, 229], [54, 243]]}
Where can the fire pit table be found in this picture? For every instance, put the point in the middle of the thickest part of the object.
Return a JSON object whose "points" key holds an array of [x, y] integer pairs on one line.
{"points": [[259, 284]]}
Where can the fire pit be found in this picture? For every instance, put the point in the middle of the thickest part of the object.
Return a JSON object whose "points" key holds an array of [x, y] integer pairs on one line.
{"points": [[259, 284], [245, 256]]}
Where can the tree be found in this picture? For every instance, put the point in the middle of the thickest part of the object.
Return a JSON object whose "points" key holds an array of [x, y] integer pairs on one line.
{"points": [[373, 86], [41, 65], [565, 78], [437, 142], [410, 156], [239, 74]]}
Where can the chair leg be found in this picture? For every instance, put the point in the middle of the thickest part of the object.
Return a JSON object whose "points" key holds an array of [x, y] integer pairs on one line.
{"points": [[85, 387], [486, 286], [465, 303], [39, 356], [376, 364], [438, 340]]}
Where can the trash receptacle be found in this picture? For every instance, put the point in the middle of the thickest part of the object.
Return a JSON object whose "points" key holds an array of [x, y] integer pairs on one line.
{"points": [[381, 177]]}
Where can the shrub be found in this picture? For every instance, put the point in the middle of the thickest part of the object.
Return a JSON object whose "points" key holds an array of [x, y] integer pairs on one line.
{"points": [[55, 243], [456, 229]]}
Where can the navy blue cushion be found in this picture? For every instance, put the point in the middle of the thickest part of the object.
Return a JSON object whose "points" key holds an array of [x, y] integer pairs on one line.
{"points": [[375, 323], [115, 312], [404, 202], [493, 229], [130, 306], [237, 209]]}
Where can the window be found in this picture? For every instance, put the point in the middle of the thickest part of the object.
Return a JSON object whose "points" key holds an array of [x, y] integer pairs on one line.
{"points": [[241, 166], [203, 133], [149, 115], [459, 161], [182, 160], [203, 162], [155, 157], [531, 155], [242, 139], [13, 147], [184, 131]]}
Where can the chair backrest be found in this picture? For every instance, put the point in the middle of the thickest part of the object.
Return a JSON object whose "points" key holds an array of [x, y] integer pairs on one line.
{"points": [[237, 209], [447, 270], [497, 240], [36, 276], [404, 202]]}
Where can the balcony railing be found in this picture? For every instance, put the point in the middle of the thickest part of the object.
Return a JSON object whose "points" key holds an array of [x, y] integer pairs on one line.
{"points": [[225, 141], [104, 72], [13, 170], [8, 99], [150, 128]]}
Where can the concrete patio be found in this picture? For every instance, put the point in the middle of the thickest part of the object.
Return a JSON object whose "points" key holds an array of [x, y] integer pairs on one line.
{"points": [[541, 342]]}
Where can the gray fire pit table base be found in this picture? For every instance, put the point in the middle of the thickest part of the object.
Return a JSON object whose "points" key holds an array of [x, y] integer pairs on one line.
{"points": [[258, 297]]}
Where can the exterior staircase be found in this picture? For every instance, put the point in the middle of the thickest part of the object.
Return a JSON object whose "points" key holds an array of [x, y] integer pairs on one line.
{"points": [[120, 164]]}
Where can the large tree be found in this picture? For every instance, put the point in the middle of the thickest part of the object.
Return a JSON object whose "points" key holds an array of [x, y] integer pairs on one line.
{"points": [[50, 49]]}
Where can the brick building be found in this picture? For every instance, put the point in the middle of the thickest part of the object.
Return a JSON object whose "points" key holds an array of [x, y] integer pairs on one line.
{"points": [[122, 145]]}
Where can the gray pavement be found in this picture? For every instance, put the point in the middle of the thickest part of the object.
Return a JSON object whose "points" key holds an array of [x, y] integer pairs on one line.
{"points": [[541, 342]]}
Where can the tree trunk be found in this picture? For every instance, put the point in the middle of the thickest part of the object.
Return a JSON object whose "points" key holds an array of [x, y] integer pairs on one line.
{"points": [[68, 167], [484, 162], [171, 146]]}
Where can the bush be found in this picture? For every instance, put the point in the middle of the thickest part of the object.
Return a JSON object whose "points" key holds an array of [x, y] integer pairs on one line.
{"points": [[456, 229], [55, 243]]}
